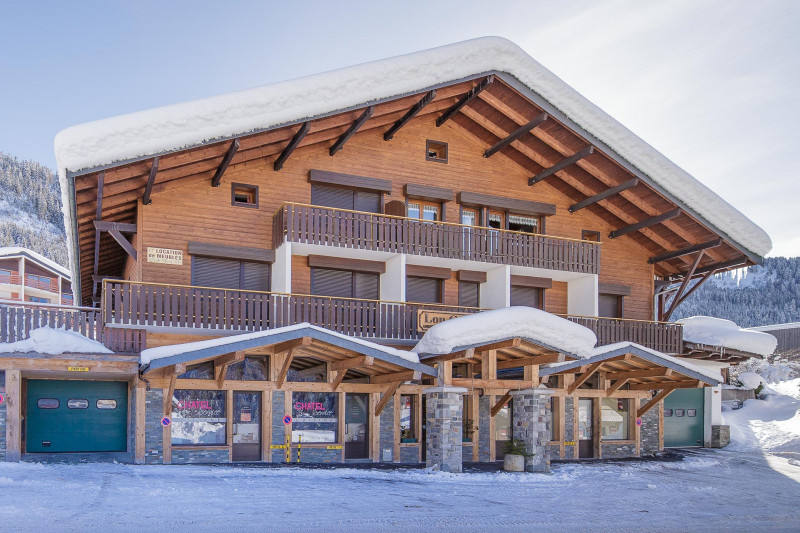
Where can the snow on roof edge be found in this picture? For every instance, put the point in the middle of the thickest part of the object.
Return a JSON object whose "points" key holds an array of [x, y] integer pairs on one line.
{"points": [[154, 131], [18, 250]]}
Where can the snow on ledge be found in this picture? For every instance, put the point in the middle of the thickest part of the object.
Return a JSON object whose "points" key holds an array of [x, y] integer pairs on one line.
{"points": [[508, 322], [51, 341], [725, 333]]}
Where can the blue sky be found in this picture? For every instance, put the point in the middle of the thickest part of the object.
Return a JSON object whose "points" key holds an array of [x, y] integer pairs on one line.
{"points": [[711, 84]]}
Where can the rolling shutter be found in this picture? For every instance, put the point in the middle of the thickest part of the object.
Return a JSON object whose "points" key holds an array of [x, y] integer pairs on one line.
{"points": [[527, 296], [328, 282], [213, 272], [608, 305], [468, 294], [367, 286], [368, 201], [335, 197], [424, 290], [255, 276]]}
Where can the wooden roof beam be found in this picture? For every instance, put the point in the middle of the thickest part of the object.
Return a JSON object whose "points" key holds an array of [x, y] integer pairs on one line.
{"points": [[221, 365], [390, 390], [676, 299], [464, 100], [536, 360], [652, 403], [339, 144], [688, 384], [337, 379], [226, 161], [561, 165], [114, 229], [616, 386], [646, 223], [580, 380], [405, 375], [500, 403], [516, 134], [462, 354], [411, 113], [355, 362], [291, 146], [685, 251], [631, 183], [151, 179]]}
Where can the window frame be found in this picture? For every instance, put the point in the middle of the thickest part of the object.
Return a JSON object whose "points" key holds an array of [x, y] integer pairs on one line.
{"points": [[176, 421], [630, 418], [428, 145], [422, 205], [253, 189]]}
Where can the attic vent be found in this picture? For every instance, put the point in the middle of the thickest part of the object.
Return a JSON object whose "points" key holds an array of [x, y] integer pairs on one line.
{"points": [[436, 151]]}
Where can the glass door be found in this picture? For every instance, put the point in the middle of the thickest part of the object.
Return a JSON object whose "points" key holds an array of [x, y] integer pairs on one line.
{"points": [[356, 429], [502, 430], [246, 426], [585, 428]]}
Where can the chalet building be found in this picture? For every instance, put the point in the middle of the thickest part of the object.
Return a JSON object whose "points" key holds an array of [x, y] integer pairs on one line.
{"points": [[26, 276], [390, 262]]}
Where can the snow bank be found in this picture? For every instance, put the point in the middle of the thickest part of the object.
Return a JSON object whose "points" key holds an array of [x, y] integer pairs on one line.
{"points": [[771, 424], [720, 332], [152, 354], [750, 380], [188, 124], [52, 341], [500, 324]]}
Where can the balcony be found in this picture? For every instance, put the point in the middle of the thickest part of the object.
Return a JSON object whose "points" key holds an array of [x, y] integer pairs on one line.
{"points": [[133, 304], [9, 278], [32, 281], [309, 224]]}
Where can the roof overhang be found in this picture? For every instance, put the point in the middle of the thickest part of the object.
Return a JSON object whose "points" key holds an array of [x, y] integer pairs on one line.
{"points": [[511, 351]]}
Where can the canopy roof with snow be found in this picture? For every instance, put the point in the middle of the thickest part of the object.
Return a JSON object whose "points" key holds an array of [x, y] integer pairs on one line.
{"points": [[193, 138], [703, 332]]}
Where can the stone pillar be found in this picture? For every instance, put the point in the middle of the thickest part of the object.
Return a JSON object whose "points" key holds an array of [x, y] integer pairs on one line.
{"points": [[529, 424], [444, 416]]}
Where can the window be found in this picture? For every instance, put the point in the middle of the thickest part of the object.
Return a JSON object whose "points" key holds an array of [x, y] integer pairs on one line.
{"points": [[316, 417], [469, 294], [5, 276], [48, 403], [408, 419], [469, 217], [436, 151], [609, 305], [527, 296], [524, 224], [667, 412], [469, 426], [77, 404], [680, 412], [691, 412], [496, 220], [345, 284], [244, 195], [253, 368], [199, 371], [551, 418], [43, 280], [344, 198], [106, 404], [423, 290], [38, 299], [230, 274], [590, 235], [615, 418], [424, 210], [198, 418]]}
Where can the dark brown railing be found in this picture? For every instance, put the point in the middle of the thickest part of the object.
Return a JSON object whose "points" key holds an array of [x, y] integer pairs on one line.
{"points": [[356, 229], [17, 321], [179, 306]]}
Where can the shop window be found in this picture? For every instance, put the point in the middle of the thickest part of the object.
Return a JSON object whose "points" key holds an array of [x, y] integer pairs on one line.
{"points": [[408, 418], [667, 412], [609, 305], [106, 404], [614, 418], [315, 417], [199, 371], [428, 211], [691, 412], [469, 294], [253, 368], [77, 404], [436, 151], [48, 403], [244, 195], [680, 412], [198, 418]]}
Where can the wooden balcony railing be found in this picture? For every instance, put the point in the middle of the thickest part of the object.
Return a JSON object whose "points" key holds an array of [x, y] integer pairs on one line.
{"points": [[18, 319], [51, 285], [9, 279], [385, 233], [179, 306]]}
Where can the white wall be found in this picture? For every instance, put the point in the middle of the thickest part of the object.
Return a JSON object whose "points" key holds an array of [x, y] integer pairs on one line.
{"points": [[393, 281], [582, 296], [282, 269], [496, 292], [712, 412]]}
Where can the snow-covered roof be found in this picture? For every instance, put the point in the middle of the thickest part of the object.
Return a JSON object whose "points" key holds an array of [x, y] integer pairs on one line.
{"points": [[181, 353], [609, 351], [53, 341], [534, 325], [775, 327], [11, 251], [726, 334]]}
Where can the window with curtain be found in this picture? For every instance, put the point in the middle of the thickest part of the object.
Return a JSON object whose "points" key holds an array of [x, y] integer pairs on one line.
{"points": [[615, 418]]}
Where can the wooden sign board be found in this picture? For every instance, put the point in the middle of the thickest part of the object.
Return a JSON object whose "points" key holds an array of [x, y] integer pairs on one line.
{"points": [[426, 319], [164, 256], [77, 369]]}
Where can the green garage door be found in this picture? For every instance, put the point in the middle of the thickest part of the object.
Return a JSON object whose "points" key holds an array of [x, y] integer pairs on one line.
{"points": [[683, 418], [76, 416]]}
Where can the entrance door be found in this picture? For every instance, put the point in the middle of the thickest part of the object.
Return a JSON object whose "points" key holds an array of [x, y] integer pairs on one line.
{"points": [[502, 431], [76, 416], [684, 418], [585, 428], [356, 429], [246, 426]]}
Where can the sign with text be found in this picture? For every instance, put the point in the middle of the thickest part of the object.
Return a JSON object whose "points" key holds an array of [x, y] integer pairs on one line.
{"points": [[77, 369], [426, 319], [164, 256]]}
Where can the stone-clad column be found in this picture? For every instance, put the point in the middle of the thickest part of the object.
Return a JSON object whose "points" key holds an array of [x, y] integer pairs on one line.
{"points": [[444, 431], [529, 424]]}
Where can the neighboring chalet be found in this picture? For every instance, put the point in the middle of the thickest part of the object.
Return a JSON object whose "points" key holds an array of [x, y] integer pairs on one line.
{"points": [[274, 254], [26, 276]]}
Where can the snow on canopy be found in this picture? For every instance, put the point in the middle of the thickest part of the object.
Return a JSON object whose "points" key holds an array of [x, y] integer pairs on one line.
{"points": [[183, 125], [506, 323], [52, 341], [725, 333]]}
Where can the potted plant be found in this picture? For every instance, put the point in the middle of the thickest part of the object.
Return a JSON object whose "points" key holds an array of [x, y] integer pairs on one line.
{"points": [[469, 430], [515, 454], [406, 436]]}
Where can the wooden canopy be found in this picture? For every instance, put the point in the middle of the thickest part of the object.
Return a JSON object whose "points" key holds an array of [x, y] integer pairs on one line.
{"points": [[511, 121], [717, 353]]}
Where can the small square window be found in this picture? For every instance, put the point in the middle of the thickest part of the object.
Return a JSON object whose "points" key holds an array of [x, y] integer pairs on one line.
{"points": [[244, 195], [691, 412], [106, 404], [436, 151], [77, 404], [679, 412], [590, 235], [48, 403], [667, 412]]}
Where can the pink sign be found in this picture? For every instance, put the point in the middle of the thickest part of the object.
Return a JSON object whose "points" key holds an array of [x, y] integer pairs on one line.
{"points": [[309, 406], [194, 404], [1, 399]]}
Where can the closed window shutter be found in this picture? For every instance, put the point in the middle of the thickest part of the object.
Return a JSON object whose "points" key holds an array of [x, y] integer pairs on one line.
{"points": [[332, 197], [255, 276], [213, 272], [327, 282], [423, 290], [468, 294], [608, 305], [367, 286], [367, 201], [527, 296]]}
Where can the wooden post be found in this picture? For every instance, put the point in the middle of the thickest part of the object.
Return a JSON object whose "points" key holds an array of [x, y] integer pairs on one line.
{"points": [[166, 433], [13, 415], [266, 426], [140, 422]]}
